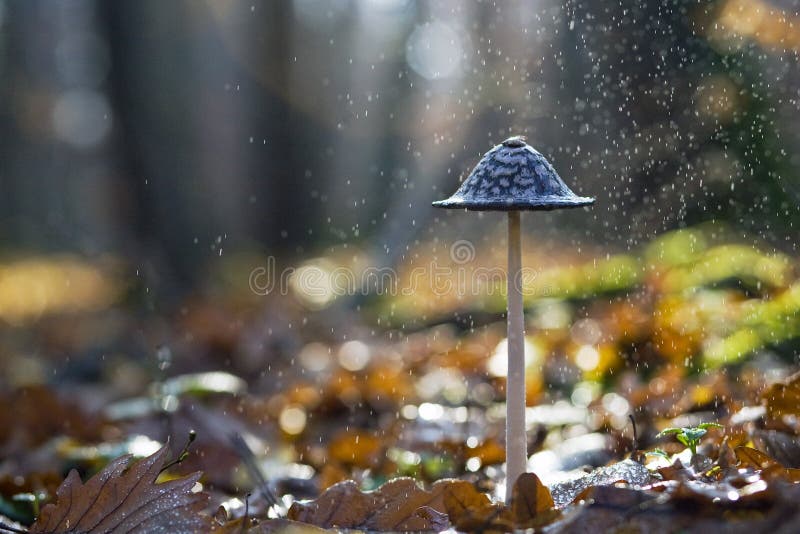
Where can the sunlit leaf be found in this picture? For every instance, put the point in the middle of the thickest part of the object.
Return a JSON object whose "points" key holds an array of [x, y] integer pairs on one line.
{"points": [[124, 498], [627, 471], [530, 500]]}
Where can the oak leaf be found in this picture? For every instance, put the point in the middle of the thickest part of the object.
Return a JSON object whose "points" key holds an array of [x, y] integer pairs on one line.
{"points": [[400, 505], [125, 498]]}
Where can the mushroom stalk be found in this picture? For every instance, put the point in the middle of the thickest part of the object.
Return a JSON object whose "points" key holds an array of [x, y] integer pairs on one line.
{"points": [[516, 440]]}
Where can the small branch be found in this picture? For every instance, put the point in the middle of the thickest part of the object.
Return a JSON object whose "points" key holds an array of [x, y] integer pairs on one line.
{"points": [[246, 519], [183, 454]]}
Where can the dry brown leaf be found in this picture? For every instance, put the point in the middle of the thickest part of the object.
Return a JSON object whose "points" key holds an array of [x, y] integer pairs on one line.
{"points": [[493, 518], [530, 499], [770, 468], [789, 474], [123, 498], [783, 398], [750, 457], [399, 505], [461, 499], [342, 505]]}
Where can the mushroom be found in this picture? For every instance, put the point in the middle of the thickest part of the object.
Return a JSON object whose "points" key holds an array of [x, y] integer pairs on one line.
{"points": [[512, 177]]}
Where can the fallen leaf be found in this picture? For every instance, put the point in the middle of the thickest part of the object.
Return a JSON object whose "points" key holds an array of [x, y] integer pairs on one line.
{"points": [[615, 509], [770, 468], [123, 498], [399, 505], [628, 471], [783, 447], [461, 499], [750, 457], [530, 499], [494, 518], [471, 511], [342, 505], [698, 494]]}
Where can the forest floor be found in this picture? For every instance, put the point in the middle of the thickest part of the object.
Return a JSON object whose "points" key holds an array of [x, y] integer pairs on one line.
{"points": [[662, 393]]}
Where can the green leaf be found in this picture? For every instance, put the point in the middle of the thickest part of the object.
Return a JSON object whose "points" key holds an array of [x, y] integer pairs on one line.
{"points": [[668, 431], [706, 426], [693, 435]]}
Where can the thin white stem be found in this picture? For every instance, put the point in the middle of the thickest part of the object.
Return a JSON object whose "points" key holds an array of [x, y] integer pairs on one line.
{"points": [[516, 440]]}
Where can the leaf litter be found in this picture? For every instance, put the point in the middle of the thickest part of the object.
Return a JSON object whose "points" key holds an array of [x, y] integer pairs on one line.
{"points": [[390, 432]]}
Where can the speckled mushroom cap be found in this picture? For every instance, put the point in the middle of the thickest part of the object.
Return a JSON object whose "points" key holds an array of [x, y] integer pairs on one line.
{"points": [[513, 176]]}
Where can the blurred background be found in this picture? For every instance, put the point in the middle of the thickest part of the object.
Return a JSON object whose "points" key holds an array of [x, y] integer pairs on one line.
{"points": [[154, 154]]}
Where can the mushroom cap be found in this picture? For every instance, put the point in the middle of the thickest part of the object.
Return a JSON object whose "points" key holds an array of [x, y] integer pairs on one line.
{"points": [[513, 176]]}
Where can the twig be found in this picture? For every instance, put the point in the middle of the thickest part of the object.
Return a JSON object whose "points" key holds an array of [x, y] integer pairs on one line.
{"points": [[183, 454], [246, 518], [635, 434]]}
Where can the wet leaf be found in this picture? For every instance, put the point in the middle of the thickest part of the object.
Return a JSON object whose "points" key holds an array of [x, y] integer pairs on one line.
{"points": [[470, 510], [531, 503], [123, 498], [530, 498], [399, 505], [342, 505], [627, 471]]}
